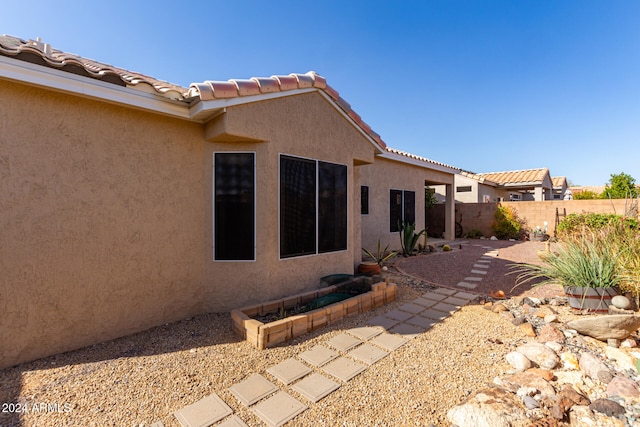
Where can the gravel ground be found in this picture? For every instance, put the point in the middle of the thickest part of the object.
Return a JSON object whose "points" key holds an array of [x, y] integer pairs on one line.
{"points": [[143, 378]]}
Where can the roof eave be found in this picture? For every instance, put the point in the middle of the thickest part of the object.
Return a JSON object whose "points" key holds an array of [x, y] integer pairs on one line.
{"points": [[420, 163], [62, 81]]}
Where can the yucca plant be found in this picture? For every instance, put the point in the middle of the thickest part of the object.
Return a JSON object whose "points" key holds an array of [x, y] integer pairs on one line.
{"points": [[408, 237], [381, 255]]}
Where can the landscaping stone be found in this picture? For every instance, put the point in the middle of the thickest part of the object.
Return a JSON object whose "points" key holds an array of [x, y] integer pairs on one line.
{"points": [[487, 407], [618, 326], [623, 386], [527, 329], [540, 354], [528, 379], [621, 302], [594, 368], [518, 361], [549, 333], [607, 407]]}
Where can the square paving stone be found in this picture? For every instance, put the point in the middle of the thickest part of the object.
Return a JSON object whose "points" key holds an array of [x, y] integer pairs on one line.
{"points": [[422, 322], [252, 389], [467, 285], [278, 409], [204, 412], [388, 341], [315, 387], [478, 272], [289, 370], [434, 296], [434, 314], [465, 295], [368, 353], [318, 355], [407, 330], [398, 315], [447, 308], [425, 302], [364, 333], [444, 291], [459, 302], [344, 342], [382, 321], [480, 265], [234, 421], [343, 368], [473, 279], [411, 308]]}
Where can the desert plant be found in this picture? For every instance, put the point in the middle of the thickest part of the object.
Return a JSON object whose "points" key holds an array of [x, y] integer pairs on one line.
{"points": [[474, 234], [381, 255], [446, 248], [408, 237], [582, 264], [506, 224], [576, 226]]}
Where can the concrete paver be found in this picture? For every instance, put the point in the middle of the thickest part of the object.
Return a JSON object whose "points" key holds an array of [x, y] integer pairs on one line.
{"points": [[315, 387], [383, 322], [398, 315], [406, 330], [411, 308], [318, 355], [233, 421], [343, 368], [289, 370], [344, 342], [252, 389], [389, 342], [278, 409], [364, 333], [204, 412], [368, 353], [423, 322]]}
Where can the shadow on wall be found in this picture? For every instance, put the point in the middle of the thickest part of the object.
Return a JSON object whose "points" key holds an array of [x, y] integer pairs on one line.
{"points": [[174, 337]]}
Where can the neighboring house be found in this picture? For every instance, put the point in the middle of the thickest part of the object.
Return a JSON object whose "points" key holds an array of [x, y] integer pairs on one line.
{"points": [[560, 188], [529, 184], [128, 202]]}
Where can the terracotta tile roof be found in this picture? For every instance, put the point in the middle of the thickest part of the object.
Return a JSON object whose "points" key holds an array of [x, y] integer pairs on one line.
{"points": [[478, 177], [214, 90], [419, 158], [38, 52], [559, 181], [527, 176]]}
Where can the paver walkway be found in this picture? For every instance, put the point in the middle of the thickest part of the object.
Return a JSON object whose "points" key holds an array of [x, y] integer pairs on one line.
{"points": [[336, 361]]}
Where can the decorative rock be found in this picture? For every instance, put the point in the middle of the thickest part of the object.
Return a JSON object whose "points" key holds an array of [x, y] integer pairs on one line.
{"points": [[531, 301], [489, 407], [582, 416], [551, 318], [542, 373], [573, 395], [530, 402], [497, 308], [555, 346], [549, 333], [621, 302], [623, 386], [528, 380], [570, 360], [613, 342], [540, 354], [607, 407], [527, 329], [594, 368], [629, 343], [518, 320], [618, 326], [518, 361], [623, 359]]}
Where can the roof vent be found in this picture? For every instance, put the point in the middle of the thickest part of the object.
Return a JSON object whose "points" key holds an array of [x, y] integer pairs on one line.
{"points": [[43, 47]]}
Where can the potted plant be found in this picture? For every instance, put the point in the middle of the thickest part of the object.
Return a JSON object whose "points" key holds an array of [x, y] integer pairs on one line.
{"points": [[588, 272], [539, 234], [379, 257]]}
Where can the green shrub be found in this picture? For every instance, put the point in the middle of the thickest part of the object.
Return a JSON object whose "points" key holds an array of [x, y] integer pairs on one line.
{"points": [[474, 234], [506, 224], [577, 224], [408, 237], [446, 248]]}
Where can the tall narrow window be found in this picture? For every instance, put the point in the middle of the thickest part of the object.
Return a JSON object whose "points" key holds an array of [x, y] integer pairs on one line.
{"points": [[234, 206], [402, 208], [313, 207], [364, 200]]}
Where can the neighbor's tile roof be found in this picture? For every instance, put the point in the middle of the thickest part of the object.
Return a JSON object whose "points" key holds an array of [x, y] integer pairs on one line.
{"points": [[559, 181], [527, 176], [419, 158], [37, 52]]}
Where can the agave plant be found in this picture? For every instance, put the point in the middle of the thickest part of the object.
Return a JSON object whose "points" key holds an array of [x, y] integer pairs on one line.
{"points": [[408, 237], [381, 255]]}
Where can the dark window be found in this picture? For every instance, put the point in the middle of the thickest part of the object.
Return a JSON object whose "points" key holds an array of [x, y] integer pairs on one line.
{"points": [[332, 207], [364, 200], [313, 212], [463, 189], [234, 212], [402, 208]]}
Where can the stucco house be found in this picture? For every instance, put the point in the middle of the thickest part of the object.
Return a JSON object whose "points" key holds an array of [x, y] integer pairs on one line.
{"points": [[560, 188], [128, 202]]}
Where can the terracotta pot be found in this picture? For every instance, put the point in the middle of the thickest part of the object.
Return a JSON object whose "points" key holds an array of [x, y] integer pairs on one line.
{"points": [[369, 268], [596, 300]]}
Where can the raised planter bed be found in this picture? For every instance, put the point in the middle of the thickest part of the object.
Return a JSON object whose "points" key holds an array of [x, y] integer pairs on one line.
{"points": [[264, 335]]}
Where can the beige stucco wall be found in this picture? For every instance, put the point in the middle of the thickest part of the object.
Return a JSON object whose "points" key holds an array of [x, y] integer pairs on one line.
{"points": [[303, 125], [381, 177], [101, 218]]}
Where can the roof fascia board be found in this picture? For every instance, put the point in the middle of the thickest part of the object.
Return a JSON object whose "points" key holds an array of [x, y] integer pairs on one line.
{"points": [[426, 165], [62, 81]]}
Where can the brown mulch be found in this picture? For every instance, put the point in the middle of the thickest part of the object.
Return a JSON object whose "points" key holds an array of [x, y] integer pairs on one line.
{"points": [[447, 269]]}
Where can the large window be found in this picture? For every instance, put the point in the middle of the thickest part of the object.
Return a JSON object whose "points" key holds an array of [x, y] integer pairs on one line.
{"points": [[234, 206], [313, 207], [402, 208]]}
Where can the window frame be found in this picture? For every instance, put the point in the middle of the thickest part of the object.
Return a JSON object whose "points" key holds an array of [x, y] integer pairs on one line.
{"points": [[213, 207], [317, 199], [393, 228]]}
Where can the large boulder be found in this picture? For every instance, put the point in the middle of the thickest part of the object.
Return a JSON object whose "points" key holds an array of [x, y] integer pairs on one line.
{"points": [[617, 326], [488, 407]]}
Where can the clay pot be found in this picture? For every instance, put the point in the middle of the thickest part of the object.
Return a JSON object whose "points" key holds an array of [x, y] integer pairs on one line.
{"points": [[369, 268]]}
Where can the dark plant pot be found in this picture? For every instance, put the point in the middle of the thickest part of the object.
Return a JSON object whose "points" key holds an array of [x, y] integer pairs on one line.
{"points": [[596, 300], [537, 237], [369, 268]]}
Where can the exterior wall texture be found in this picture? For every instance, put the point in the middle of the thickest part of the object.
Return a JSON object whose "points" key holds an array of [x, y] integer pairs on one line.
{"points": [[101, 221]]}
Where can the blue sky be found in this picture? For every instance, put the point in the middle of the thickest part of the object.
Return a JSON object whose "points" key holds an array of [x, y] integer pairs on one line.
{"points": [[482, 85]]}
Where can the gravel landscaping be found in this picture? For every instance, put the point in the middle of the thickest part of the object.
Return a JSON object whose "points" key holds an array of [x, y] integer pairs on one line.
{"points": [[144, 378]]}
